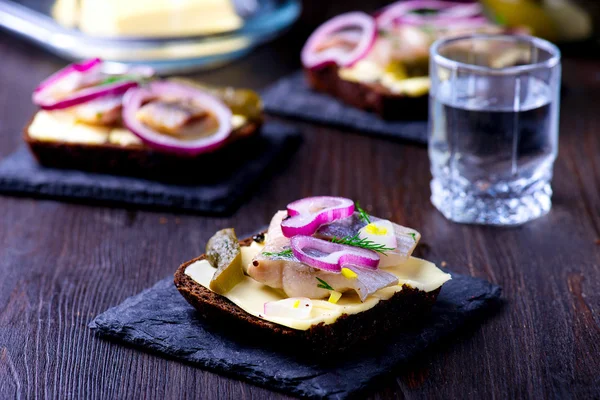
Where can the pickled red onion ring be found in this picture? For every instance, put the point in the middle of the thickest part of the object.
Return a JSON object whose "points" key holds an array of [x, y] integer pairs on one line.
{"points": [[134, 99], [78, 84], [308, 214], [474, 22], [88, 66], [313, 59], [332, 257], [86, 95], [402, 12]]}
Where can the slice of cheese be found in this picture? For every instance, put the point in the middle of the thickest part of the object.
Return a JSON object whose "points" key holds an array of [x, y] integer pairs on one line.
{"points": [[237, 121], [62, 126], [414, 87], [123, 137], [251, 295], [363, 71], [366, 71]]}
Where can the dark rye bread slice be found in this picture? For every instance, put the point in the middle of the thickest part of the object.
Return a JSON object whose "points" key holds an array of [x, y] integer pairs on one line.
{"points": [[403, 310], [141, 161], [366, 96]]}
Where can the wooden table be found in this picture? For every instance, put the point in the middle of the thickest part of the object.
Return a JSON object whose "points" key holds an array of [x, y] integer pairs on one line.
{"points": [[61, 264]]}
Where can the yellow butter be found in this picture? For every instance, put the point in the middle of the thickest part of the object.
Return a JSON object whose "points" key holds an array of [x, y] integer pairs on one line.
{"points": [[147, 17]]}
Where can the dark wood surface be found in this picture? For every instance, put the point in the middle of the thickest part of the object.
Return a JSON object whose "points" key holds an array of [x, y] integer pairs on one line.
{"points": [[61, 264]]}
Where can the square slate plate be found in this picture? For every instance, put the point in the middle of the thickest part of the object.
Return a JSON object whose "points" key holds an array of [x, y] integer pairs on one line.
{"points": [[292, 97], [160, 320], [21, 174]]}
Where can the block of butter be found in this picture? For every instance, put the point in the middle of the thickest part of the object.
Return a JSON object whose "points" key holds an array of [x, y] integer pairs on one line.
{"points": [[147, 18]]}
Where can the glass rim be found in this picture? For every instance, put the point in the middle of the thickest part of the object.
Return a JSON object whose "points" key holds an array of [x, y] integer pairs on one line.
{"points": [[539, 43]]}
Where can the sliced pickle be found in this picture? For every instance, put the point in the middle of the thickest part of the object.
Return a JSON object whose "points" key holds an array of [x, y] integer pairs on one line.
{"points": [[244, 102], [417, 67], [529, 13], [407, 69], [223, 252], [397, 70]]}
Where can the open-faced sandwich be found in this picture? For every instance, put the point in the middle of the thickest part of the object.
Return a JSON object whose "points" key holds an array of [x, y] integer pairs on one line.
{"points": [[325, 276], [380, 63], [134, 124]]}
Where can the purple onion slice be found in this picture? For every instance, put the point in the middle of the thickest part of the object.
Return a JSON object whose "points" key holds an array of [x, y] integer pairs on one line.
{"points": [[331, 257], [83, 82], [308, 214], [363, 29], [135, 98]]}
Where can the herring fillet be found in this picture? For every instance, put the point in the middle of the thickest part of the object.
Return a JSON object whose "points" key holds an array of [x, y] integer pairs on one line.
{"points": [[406, 238], [371, 281], [269, 269], [169, 116], [303, 282], [300, 280]]}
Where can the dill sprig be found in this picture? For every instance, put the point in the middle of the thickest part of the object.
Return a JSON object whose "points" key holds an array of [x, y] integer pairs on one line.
{"points": [[285, 254], [363, 215], [323, 285], [413, 235], [356, 241], [121, 78]]}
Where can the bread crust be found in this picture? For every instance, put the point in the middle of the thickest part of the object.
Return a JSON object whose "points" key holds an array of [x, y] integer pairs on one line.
{"points": [[399, 312], [142, 161], [369, 97]]}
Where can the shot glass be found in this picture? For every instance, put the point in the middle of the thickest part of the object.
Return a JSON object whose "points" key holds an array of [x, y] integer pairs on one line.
{"points": [[493, 127]]}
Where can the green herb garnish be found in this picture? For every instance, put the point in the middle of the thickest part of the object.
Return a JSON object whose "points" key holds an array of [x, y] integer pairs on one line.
{"points": [[323, 285], [413, 235], [285, 254], [424, 11], [363, 215], [500, 20], [113, 79], [428, 29], [120, 78], [356, 241]]}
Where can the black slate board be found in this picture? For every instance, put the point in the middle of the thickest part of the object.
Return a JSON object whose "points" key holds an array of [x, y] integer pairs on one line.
{"points": [[292, 97], [159, 319], [20, 174]]}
